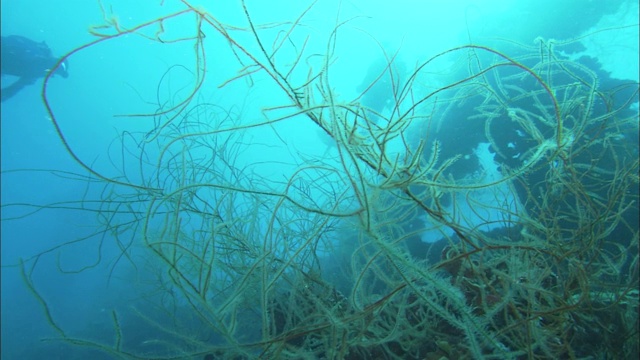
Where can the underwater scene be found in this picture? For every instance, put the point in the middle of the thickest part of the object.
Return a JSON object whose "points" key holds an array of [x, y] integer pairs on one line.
{"points": [[247, 179]]}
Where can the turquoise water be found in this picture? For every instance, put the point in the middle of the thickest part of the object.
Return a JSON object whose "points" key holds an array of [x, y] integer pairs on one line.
{"points": [[86, 233]]}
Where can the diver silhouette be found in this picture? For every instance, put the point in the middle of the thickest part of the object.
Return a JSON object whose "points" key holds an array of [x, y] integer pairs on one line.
{"points": [[28, 60]]}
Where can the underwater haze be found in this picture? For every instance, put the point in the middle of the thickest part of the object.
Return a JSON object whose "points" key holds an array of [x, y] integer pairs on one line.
{"points": [[352, 179]]}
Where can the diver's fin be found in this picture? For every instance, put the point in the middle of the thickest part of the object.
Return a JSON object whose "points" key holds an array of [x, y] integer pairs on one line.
{"points": [[9, 91]]}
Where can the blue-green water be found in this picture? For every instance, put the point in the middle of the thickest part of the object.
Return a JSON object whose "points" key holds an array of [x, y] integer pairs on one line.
{"points": [[84, 237]]}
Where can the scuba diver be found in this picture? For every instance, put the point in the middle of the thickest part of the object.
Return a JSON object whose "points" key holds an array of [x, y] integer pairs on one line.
{"points": [[28, 60]]}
